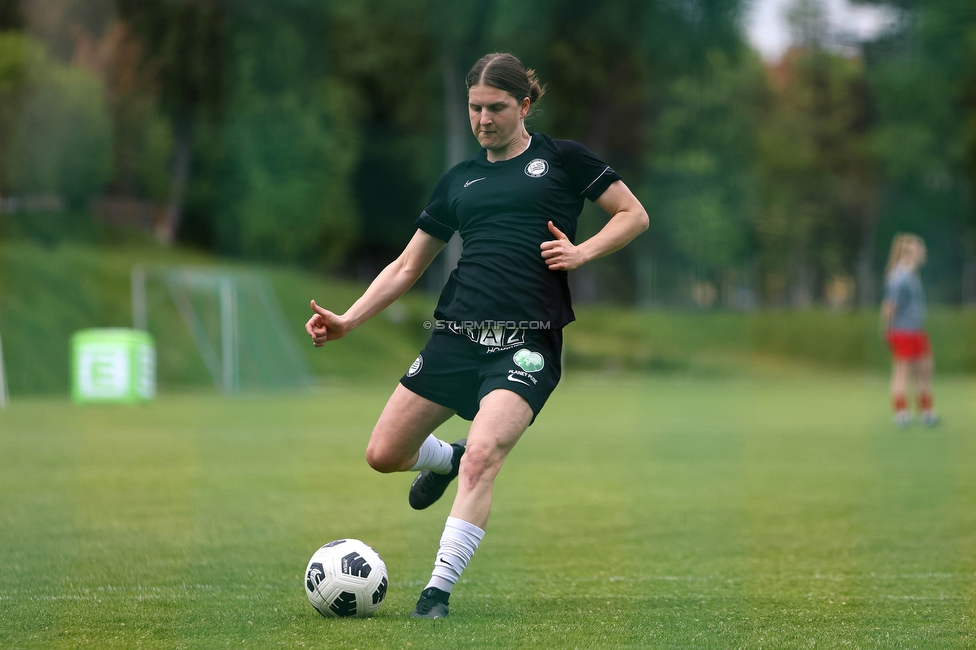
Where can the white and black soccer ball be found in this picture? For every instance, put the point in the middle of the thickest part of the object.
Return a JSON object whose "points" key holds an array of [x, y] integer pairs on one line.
{"points": [[346, 578]]}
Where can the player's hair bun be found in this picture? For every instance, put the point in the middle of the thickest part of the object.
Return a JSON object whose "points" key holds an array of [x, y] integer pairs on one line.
{"points": [[506, 72], [536, 90]]}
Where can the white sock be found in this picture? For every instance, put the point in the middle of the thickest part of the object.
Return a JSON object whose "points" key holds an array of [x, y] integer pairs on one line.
{"points": [[458, 543], [435, 455]]}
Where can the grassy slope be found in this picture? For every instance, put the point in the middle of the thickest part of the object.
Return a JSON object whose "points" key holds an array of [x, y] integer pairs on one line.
{"points": [[725, 341], [47, 293], [688, 512]]}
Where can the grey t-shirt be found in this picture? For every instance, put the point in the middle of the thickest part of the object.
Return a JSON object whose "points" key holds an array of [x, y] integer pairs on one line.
{"points": [[903, 289]]}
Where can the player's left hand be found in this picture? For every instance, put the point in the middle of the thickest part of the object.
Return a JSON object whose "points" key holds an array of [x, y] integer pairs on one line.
{"points": [[560, 254]]}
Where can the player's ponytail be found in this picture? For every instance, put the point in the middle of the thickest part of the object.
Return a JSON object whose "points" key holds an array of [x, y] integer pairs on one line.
{"points": [[536, 89], [505, 72]]}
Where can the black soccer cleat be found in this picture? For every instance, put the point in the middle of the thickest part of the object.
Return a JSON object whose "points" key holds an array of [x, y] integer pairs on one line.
{"points": [[432, 604], [429, 486]]}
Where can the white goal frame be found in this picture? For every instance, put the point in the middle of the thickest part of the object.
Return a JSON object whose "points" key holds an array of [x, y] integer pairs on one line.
{"points": [[222, 358]]}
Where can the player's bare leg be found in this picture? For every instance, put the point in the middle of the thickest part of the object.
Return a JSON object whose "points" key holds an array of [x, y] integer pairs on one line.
{"points": [[923, 385], [899, 385], [404, 426], [501, 420]]}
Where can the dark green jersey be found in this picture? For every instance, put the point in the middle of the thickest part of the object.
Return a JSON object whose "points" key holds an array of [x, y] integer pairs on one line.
{"points": [[501, 211]]}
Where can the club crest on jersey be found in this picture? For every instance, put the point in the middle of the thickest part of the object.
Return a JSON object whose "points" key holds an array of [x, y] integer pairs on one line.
{"points": [[537, 168], [416, 366]]}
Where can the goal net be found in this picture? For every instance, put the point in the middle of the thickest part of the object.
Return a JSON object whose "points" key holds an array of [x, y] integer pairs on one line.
{"points": [[234, 320]]}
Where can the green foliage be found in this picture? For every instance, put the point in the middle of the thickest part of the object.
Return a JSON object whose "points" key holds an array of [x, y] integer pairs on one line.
{"points": [[818, 187], [143, 139], [649, 87], [57, 122], [63, 142], [704, 185], [18, 54], [383, 70], [312, 133], [183, 43], [922, 74], [281, 156], [285, 193], [156, 144]]}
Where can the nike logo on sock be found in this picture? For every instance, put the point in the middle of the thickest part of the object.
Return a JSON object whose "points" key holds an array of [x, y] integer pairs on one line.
{"points": [[475, 181]]}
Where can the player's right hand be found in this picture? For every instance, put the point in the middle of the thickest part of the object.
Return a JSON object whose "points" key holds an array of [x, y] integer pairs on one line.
{"points": [[325, 326]]}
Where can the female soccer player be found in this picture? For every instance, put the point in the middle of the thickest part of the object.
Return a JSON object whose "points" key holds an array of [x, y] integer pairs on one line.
{"points": [[494, 355], [903, 317]]}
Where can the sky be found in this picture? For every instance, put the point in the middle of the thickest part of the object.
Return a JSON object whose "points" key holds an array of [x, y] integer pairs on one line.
{"points": [[768, 32]]}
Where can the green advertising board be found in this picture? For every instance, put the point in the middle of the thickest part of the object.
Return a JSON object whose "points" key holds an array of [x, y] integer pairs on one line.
{"points": [[113, 366]]}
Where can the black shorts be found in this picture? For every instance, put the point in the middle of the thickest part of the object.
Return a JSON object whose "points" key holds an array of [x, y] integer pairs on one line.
{"points": [[458, 368]]}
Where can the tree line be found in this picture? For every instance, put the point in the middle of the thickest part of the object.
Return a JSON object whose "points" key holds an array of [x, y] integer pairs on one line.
{"points": [[311, 132]]}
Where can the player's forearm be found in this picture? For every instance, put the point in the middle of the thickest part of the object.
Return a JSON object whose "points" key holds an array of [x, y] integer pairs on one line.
{"points": [[887, 311], [622, 228], [389, 285]]}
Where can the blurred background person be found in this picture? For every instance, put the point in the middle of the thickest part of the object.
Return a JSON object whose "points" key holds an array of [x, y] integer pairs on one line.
{"points": [[903, 318]]}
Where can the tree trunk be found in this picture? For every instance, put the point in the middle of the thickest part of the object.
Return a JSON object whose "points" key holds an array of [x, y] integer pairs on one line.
{"points": [[801, 279], [969, 272], [168, 227], [866, 286]]}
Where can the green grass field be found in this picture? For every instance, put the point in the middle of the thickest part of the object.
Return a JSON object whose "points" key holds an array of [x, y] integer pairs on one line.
{"points": [[780, 510]]}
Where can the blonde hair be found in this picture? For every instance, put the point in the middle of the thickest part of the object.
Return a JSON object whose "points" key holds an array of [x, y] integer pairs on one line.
{"points": [[899, 245]]}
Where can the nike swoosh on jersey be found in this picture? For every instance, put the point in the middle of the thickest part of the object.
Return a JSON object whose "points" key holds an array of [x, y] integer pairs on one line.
{"points": [[474, 181], [511, 378]]}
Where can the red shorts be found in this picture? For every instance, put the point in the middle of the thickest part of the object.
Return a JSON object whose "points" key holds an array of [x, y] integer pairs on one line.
{"points": [[908, 345]]}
